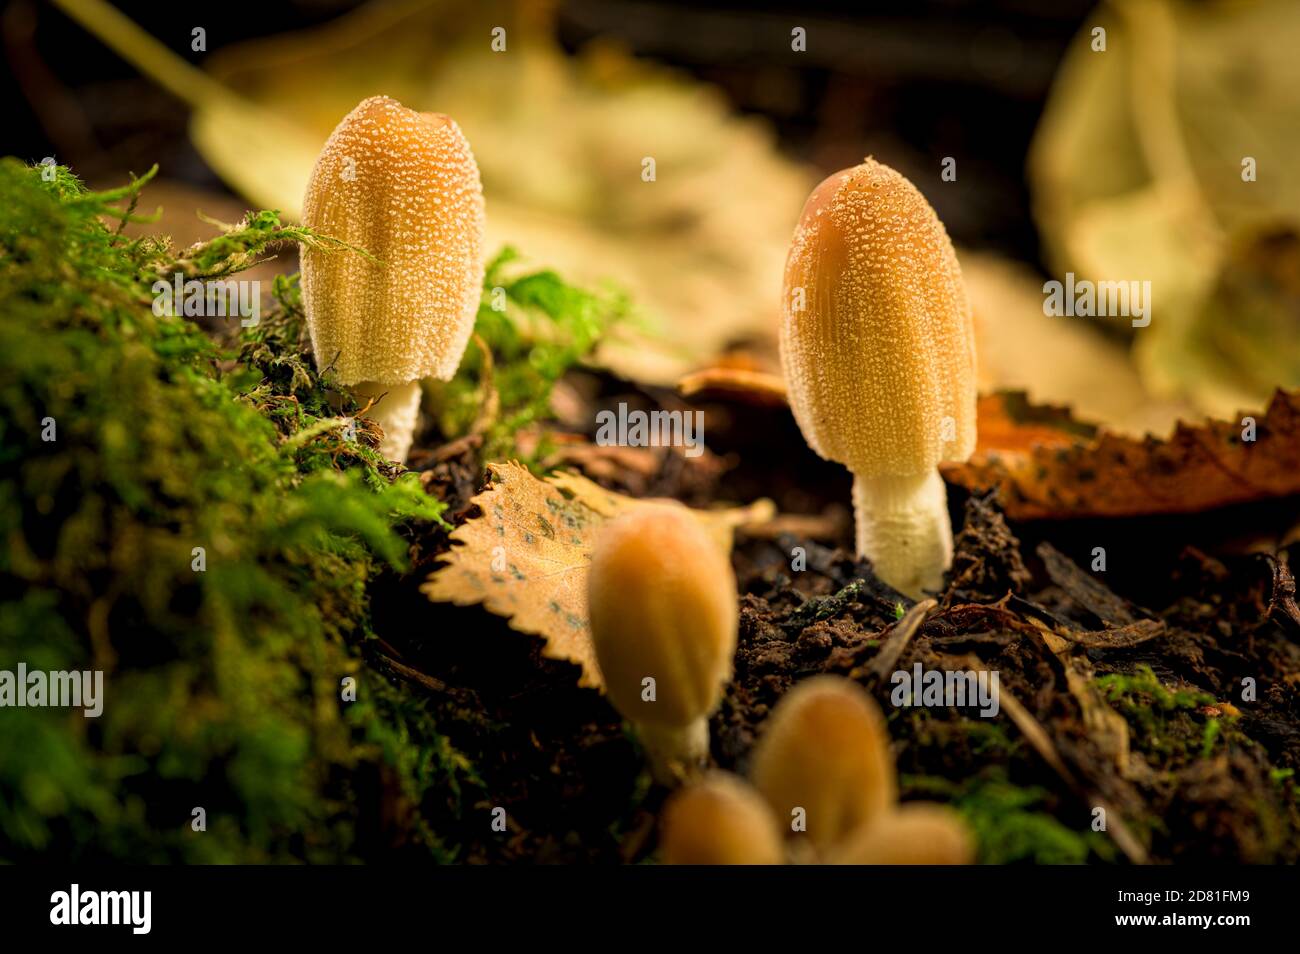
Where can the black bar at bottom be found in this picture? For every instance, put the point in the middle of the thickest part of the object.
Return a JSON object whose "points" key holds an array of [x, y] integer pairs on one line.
{"points": [[335, 904]]}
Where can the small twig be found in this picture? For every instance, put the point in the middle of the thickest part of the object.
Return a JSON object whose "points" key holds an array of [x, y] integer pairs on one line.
{"points": [[403, 671], [900, 635], [824, 528], [455, 448], [491, 404], [1042, 743], [757, 386], [1283, 597]]}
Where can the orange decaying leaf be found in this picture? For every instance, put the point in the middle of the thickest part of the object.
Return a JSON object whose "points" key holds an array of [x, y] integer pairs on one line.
{"points": [[1048, 465], [1055, 473]]}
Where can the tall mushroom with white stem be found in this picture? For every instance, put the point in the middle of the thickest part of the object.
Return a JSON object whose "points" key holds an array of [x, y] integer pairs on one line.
{"points": [[403, 186], [878, 349]]}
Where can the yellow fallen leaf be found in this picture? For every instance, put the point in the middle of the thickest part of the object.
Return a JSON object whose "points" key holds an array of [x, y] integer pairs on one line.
{"points": [[526, 556]]}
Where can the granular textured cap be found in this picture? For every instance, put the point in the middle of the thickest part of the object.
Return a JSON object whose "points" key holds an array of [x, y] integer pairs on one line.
{"points": [[877, 341], [403, 186]]}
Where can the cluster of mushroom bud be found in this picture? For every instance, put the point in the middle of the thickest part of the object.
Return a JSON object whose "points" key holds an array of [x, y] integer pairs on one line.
{"points": [[403, 186], [822, 770], [662, 606], [877, 347]]}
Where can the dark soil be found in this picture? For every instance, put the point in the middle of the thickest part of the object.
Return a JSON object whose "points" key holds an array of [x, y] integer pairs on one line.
{"points": [[1138, 711]]}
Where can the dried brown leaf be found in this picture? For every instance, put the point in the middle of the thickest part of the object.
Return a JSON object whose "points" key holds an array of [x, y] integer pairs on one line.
{"points": [[746, 385], [527, 554], [1047, 472]]}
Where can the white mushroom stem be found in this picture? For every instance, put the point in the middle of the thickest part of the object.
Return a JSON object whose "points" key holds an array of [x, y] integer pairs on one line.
{"points": [[396, 410], [903, 529], [675, 752]]}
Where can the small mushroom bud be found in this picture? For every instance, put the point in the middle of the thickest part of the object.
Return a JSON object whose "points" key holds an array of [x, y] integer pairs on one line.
{"points": [[719, 820], [404, 187], [877, 345], [662, 601], [918, 833], [823, 760]]}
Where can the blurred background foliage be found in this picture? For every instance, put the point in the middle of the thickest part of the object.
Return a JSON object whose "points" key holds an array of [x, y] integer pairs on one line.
{"points": [[1166, 158], [1117, 164]]}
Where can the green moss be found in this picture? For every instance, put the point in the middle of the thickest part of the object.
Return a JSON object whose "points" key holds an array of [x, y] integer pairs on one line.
{"points": [[1012, 823], [1284, 780], [818, 608], [1211, 732], [536, 327], [222, 685], [1166, 722], [981, 738], [1122, 687]]}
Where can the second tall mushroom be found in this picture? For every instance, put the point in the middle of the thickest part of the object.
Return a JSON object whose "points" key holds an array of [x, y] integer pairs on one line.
{"points": [[878, 350]]}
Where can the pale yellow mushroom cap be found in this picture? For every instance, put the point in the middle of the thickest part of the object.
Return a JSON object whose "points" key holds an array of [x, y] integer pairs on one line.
{"points": [[719, 820], [662, 603], [877, 342], [403, 186], [825, 750], [918, 833]]}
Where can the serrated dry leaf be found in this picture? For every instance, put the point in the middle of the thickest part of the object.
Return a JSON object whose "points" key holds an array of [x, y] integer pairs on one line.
{"points": [[527, 555], [1043, 470]]}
